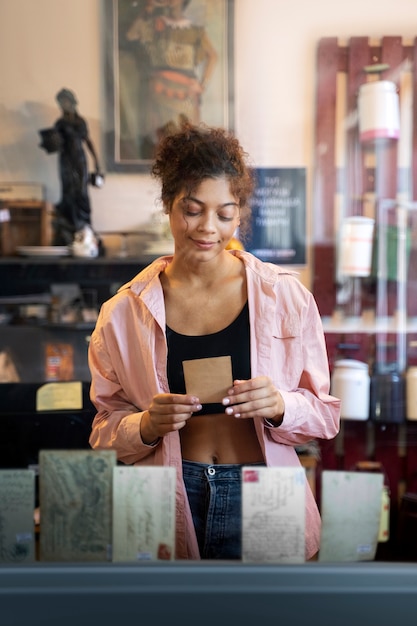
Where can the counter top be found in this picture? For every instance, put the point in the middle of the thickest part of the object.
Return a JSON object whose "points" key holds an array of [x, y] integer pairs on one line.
{"points": [[208, 593]]}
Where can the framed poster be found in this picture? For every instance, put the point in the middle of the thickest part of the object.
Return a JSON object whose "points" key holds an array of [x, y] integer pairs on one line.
{"points": [[165, 62], [278, 232]]}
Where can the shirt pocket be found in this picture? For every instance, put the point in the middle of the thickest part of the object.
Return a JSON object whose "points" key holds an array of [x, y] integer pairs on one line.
{"points": [[286, 353]]}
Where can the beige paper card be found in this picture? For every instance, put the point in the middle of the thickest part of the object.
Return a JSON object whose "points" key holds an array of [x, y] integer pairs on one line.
{"points": [[273, 514], [143, 513], [208, 379], [75, 497], [59, 396], [351, 513], [17, 526]]}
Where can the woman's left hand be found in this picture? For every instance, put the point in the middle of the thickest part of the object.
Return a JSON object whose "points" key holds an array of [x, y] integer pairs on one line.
{"points": [[257, 397]]}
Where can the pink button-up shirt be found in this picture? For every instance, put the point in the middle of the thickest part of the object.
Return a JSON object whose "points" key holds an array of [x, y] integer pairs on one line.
{"points": [[128, 363]]}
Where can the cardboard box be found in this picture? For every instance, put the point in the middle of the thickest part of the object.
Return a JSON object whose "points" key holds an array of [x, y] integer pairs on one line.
{"points": [[21, 191], [24, 223]]}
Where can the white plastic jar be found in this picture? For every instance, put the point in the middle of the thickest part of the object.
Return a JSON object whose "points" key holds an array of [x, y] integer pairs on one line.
{"points": [[379, 114], [351, 383], [356, 241]]}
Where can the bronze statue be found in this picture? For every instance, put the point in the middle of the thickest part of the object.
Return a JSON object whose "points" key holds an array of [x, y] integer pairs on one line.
{"points": [[68, 136]]}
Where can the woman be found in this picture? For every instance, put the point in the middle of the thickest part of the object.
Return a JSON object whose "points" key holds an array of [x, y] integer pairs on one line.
{"points": [[208, 301]]}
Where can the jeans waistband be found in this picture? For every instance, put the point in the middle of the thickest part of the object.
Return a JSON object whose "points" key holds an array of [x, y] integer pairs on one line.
{"points": [[219, 470]]}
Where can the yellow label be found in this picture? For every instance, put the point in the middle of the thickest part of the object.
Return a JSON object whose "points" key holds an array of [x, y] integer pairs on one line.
{"points": [[59, 397]]}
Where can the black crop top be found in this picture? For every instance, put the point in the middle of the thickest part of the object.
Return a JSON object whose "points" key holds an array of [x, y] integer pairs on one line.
{"points": [[234, 340]]}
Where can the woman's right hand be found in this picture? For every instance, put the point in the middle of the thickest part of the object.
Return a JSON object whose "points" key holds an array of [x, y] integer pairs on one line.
{"points": [[168, 412]]}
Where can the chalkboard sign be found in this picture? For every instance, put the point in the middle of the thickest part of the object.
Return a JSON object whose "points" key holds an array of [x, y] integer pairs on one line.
{"points": [[278, 232]]}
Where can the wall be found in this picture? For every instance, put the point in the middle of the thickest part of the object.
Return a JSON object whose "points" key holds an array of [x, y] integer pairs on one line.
{"points": [[48, 44]]}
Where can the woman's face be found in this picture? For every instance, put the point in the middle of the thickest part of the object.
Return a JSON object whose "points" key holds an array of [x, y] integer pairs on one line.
{"points": [[203, 221]]}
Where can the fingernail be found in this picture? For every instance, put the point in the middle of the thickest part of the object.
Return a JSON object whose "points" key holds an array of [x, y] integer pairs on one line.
{"points": [[237, 414], [226, 401], [198, 407], [229, 411]]}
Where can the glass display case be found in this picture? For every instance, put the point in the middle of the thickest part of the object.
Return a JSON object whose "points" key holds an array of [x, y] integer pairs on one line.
{"points": [[48, 308]]}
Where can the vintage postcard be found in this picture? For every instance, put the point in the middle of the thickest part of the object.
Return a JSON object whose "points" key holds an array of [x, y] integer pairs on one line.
{"points": [[273, 514], [351, 505], [75, 504], [17, 526], [144, 513]]}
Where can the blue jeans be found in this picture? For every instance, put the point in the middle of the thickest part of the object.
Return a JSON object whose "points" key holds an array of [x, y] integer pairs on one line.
{"points": [[215, 497]]}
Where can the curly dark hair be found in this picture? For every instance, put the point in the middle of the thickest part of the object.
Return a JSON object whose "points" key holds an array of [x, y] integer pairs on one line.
{"points": [[186, 157]]}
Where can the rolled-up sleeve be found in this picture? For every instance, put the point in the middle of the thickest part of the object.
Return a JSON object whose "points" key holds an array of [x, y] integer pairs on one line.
{"points": [[116, 424], [310, 411]]}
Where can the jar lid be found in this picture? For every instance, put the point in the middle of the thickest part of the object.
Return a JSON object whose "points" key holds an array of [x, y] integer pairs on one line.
{"points": [[351, 363], [375, 86], [359, 219]]}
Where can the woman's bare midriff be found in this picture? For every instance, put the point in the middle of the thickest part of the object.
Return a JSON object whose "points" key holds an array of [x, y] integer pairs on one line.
{"points": [[220, 439]]}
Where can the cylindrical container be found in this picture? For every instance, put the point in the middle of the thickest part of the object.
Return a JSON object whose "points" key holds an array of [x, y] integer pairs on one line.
{"points": [[387, 403], [411, 393], [392, 240], [379, 111], [351, 383], [356, 240]]}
